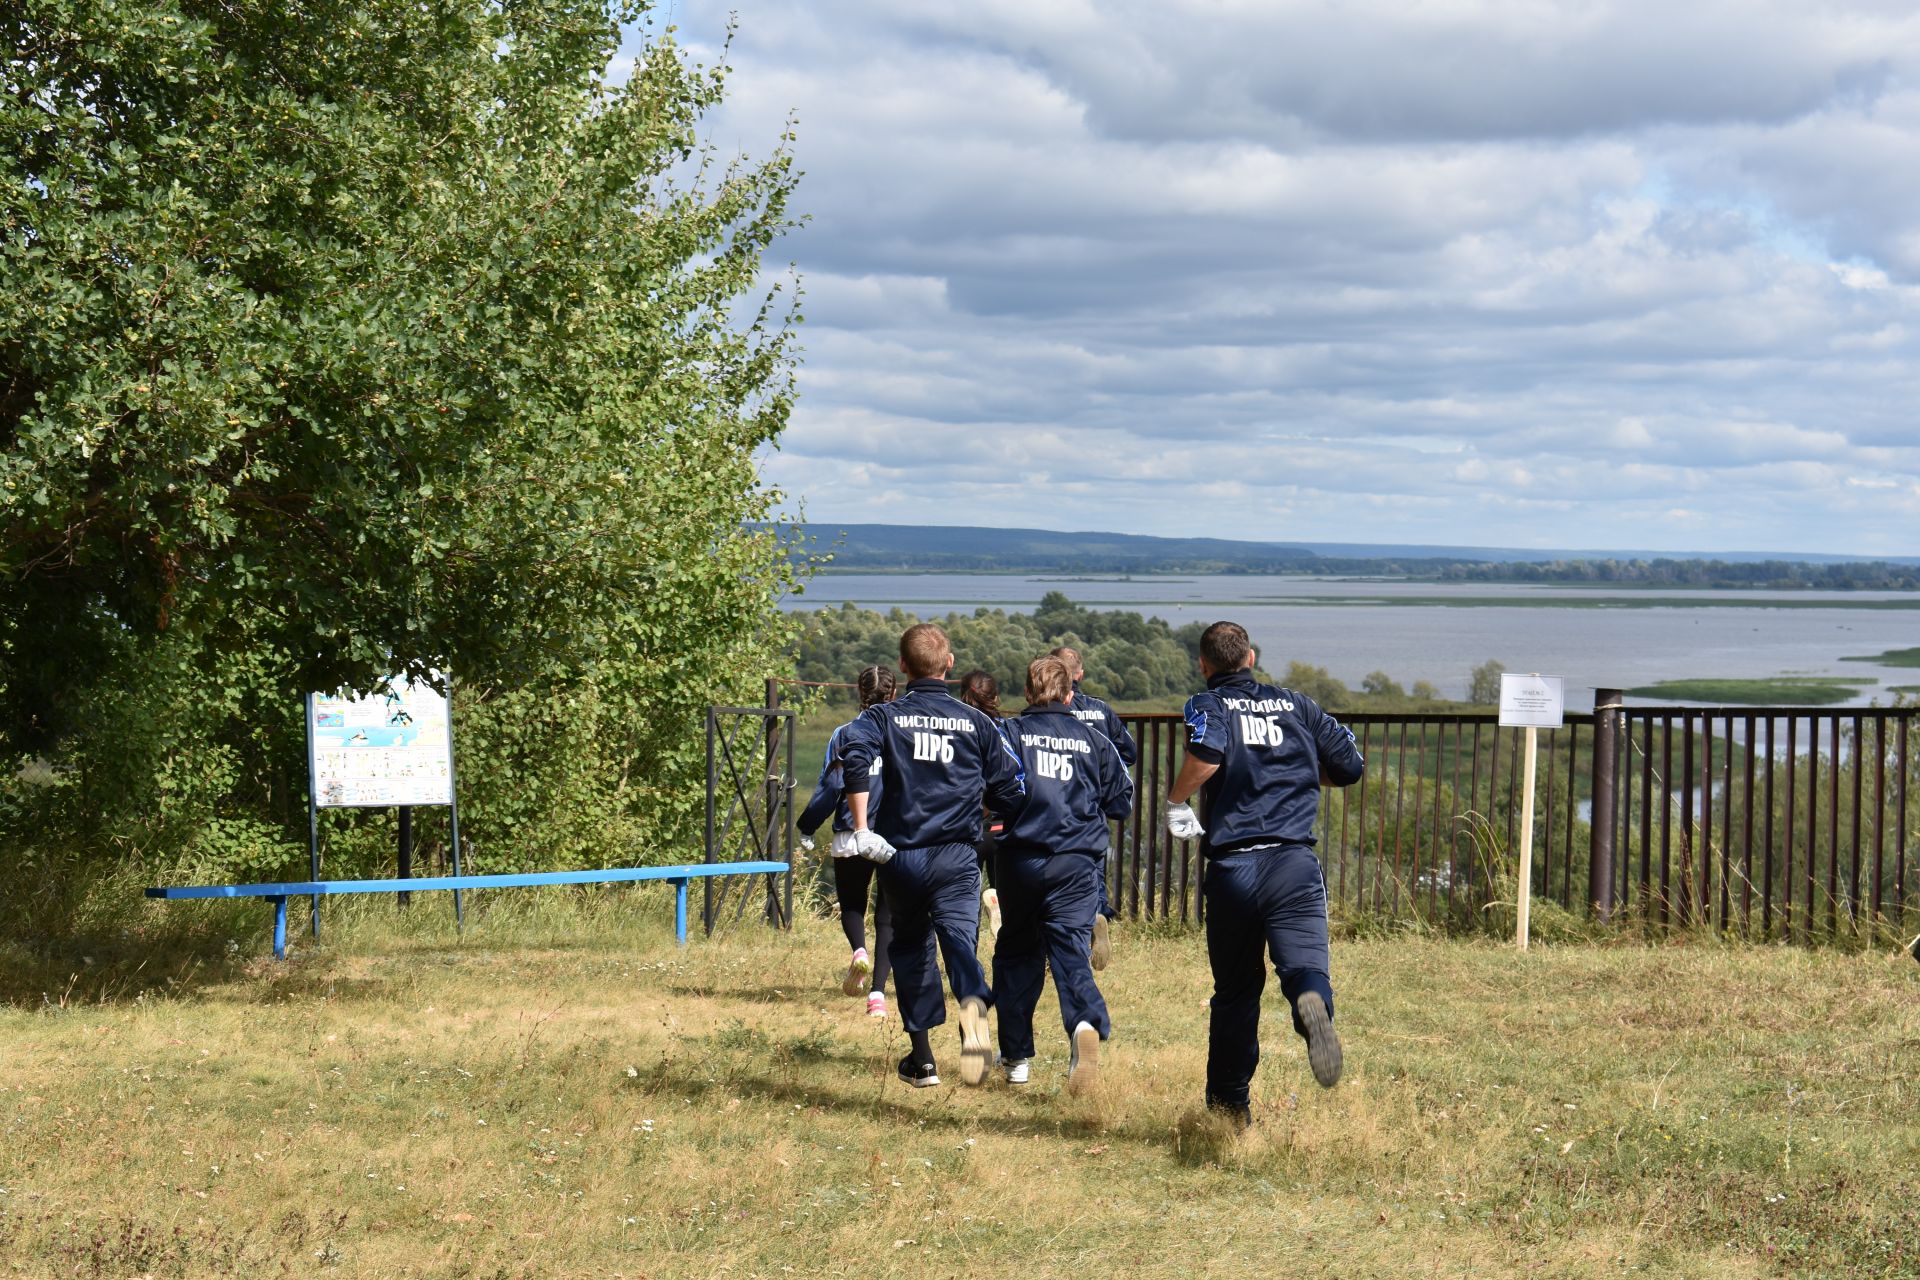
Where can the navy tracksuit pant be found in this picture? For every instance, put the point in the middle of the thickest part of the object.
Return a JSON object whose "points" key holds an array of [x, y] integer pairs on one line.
{"points": [[935, 896], [1105, 908], [1271, 899], [1046, 906]]}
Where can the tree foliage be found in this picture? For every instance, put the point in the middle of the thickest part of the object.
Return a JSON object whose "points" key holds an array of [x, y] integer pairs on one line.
{"points": [[1483, 686], [1126, 656], [340, 338], [1773, 575]]}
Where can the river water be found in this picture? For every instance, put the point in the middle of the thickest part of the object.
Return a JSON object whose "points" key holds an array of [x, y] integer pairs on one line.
{"points": [[1591, 637]]}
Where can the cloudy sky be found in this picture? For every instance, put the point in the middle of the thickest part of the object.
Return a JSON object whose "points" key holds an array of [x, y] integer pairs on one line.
{"points": [[1568, 273]]}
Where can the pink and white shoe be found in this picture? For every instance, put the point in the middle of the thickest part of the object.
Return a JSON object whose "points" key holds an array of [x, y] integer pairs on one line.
{"points": [[877, 1004], [859, 969]]}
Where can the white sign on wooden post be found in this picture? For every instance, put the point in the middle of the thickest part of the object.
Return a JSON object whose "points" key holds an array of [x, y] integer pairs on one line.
{"points": [[1533, 703]]}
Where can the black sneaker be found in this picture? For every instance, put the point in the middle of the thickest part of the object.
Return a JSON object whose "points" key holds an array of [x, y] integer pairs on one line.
{"points": [[1323, 1046], [921, 1075], [1240, 1117]]}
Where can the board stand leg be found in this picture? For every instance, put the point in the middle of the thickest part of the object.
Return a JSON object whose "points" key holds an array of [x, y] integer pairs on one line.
{"points": [[453, 816], [279, 928], [680, 911]]}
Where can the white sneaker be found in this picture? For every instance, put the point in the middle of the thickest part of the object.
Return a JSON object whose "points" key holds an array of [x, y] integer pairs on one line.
{"points": [[858, 971], [1019, 1070], [1083, 1070], [877, 1004], [990, 899], [1102, 947]]}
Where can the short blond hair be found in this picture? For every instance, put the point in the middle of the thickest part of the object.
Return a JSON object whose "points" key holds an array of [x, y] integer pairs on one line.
{"points": [[1048, 680], [924, 651]]}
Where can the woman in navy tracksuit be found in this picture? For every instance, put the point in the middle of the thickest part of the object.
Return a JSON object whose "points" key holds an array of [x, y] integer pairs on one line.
{"points": [[852, 873], [1049, 874]]}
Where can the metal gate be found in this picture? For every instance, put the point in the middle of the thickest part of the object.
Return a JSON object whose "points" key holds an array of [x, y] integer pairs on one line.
{"points": [[749, 808]]}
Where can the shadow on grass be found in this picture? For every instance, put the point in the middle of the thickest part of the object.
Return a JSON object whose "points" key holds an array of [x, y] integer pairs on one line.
{"points": [[68, 971], [810, 996], [882, 1097]]}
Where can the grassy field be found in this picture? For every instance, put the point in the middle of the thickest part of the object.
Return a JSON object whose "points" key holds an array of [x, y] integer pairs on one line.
{"points": [[561, 1096], [1777, 691], [1890, 658]]}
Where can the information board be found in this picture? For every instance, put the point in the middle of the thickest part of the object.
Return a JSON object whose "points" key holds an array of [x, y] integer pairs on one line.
{"points": [[393, 747], [1531, 702]]}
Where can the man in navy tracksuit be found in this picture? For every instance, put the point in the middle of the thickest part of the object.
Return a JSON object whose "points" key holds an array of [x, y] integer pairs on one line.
{"points": [[1048, 873], [1262, 753], [944, 759], [1092, 711]]}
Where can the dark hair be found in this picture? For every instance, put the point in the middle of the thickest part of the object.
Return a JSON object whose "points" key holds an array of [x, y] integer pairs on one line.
{"points": [[978, 689], [876, 685], [1225, 647], [924, 651]]}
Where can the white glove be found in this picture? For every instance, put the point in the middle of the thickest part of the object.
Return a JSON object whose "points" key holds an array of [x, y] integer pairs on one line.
{"points": [[870, 846], [1182, 823], [806, 844]]}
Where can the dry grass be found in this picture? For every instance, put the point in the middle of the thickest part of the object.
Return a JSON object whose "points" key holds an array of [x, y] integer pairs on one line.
{"points": [[548, 1098]]}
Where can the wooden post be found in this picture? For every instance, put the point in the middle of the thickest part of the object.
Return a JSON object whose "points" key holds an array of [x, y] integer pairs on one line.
{"points": [[1525, 903]]}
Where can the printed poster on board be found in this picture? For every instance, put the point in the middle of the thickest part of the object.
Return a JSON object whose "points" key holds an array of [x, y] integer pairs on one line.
{"points": [[392, 747]]}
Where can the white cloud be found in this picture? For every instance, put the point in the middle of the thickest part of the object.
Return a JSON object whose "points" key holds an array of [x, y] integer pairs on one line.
{"points": [[1495, 271]]}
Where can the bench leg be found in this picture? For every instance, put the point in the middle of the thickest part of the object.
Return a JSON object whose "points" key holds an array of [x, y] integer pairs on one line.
{"points": [[680, 911], [279, 928]]}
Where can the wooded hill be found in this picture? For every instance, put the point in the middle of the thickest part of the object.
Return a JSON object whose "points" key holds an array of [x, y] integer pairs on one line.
{"points": [[893, 548]]}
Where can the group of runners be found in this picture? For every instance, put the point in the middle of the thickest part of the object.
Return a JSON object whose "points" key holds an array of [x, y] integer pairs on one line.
{"points": [[926, 790]]}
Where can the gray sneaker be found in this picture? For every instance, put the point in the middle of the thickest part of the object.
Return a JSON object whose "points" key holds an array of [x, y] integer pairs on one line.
{"points": [[1083, 1069], [1102, 943], [1323, 1045], [976, 1043]]}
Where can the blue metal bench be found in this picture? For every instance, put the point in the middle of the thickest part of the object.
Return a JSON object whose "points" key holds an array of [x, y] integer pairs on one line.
{"points": [[278, 894]]}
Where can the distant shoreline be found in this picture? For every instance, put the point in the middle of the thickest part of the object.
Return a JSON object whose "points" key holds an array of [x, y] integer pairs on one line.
{"points": [[1429, 602], [1188, 576]]}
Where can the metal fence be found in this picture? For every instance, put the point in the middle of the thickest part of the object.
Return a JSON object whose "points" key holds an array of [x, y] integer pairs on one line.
{"points": [[1771, 822], [1765, 822]]}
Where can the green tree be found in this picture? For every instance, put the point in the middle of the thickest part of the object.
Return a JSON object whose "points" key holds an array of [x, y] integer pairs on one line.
{"points": [[346, 337], [1317, 683], [1378, 684], [1483, 688]]}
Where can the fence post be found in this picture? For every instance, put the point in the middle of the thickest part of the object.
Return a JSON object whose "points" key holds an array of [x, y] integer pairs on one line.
{"points": [[775, 798], [1606, 721]]}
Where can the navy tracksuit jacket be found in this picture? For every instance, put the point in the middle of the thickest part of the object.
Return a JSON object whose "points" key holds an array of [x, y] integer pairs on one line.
{"points": [[1048, 871], [1263, 885], [829, 794], [1089, 710], [944, 761]]}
